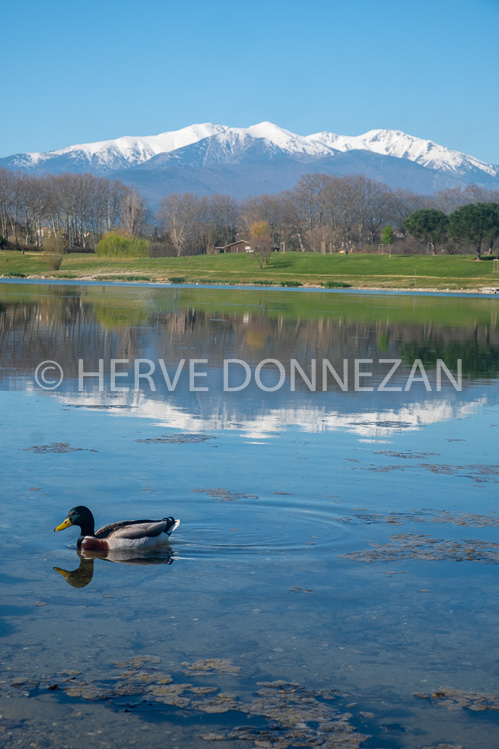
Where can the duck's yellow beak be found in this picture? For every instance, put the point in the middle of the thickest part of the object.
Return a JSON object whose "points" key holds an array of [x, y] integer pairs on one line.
{"points": [[63, 525]]}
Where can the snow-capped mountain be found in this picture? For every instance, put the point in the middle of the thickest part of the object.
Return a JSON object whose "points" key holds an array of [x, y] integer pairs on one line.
{"points": [[402, 146], [108, 155], [262, 158]]}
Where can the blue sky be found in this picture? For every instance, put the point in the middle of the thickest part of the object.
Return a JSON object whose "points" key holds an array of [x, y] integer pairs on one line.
{"points": [[80, 72]]}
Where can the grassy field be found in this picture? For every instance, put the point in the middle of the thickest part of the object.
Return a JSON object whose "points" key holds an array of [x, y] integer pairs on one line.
{"points": [[453, 272]]}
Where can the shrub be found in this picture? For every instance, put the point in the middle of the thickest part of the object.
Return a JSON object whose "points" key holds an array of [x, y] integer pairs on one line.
{"points": [[177, 279], [55, 244], [115, 245], [54, 261], [263, 283], [336, 285], [15, 274], [291, 283]]}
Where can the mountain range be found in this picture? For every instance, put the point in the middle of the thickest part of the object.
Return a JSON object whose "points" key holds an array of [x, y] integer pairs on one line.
{"points": [[263, 158]]}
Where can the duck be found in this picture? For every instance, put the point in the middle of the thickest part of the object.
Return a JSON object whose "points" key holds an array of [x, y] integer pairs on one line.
{"points": [[125, 535]]}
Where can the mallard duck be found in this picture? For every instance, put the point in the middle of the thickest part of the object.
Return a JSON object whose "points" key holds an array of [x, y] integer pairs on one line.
{"points": [[127, 534]]}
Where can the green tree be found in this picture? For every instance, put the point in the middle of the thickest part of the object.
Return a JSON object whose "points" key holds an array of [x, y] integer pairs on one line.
{"points": [[387, 235], [475, 224], [428, 225]]}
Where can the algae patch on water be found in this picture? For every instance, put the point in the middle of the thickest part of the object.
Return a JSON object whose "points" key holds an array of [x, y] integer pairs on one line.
{"points": [[479, 473], [405, 546], [57, 447], [457, 699], [177, 439], [280, 713], [225, 495], [469, 519]]}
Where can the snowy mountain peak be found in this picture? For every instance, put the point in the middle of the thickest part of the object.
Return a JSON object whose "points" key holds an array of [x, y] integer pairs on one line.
{"points": [[403, 146], [264, 141], [108, 155]]}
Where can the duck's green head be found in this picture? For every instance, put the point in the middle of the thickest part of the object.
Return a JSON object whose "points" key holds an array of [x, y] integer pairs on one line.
{"points": [[79, 516]]}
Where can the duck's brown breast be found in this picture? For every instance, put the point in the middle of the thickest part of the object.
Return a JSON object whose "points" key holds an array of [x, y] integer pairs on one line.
{"points": [[90, 543]]}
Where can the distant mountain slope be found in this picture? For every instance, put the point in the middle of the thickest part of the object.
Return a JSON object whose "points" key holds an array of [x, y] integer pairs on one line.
{"points": [[207, 167], [263, 158]]}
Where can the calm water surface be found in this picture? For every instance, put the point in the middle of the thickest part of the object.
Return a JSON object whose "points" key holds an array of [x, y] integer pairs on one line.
{"points": [[342, 543]]}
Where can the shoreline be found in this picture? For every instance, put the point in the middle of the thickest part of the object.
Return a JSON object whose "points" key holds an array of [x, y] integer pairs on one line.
{"points": [[229, 284]]}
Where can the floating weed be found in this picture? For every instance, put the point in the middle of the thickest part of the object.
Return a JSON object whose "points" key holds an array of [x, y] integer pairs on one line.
{"points": [[282, 713], [469, 519], [138, 661], [177, 439], [457, 699], [478, 472], [422, 546], [466, 518], [211, 665], [57, 447], [225, 495]]}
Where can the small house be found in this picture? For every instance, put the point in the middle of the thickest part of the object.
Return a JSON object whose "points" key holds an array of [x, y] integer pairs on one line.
{"points": [[242, 245]]}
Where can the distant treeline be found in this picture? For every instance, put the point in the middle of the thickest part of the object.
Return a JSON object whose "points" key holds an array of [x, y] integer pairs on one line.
{"points": [[322, 213], [69, 211]]}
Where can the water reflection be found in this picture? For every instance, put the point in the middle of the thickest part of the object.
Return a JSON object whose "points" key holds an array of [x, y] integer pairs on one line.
{"points": [[83, 574], [103, 323], [339, 413]]}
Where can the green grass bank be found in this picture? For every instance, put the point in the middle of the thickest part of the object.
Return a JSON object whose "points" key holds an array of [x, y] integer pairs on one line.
{"points": [[450, 272]]}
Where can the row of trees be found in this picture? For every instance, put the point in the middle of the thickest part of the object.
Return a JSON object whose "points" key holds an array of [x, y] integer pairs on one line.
{"points": [[75, 208], [321, 213]]}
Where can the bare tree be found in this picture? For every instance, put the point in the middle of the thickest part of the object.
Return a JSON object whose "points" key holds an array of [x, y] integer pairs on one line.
{"points": [[133, 212], [179, 214], [221, 213]]}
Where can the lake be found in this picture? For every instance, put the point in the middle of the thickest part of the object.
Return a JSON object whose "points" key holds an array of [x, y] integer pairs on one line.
{"points": [[333, 582]]}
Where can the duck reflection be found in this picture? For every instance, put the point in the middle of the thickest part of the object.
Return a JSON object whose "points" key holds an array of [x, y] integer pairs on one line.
{"points": [[83, 574]]}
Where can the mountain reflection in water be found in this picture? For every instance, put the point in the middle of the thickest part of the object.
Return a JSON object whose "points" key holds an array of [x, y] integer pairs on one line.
{"points": [[68, 323]]}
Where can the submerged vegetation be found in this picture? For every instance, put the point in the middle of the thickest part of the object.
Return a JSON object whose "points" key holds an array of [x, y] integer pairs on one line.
{"points": [[278, 714]]}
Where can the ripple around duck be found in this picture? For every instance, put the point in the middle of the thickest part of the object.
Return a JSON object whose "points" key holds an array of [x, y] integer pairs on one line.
{"points": [[264, 530]]}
